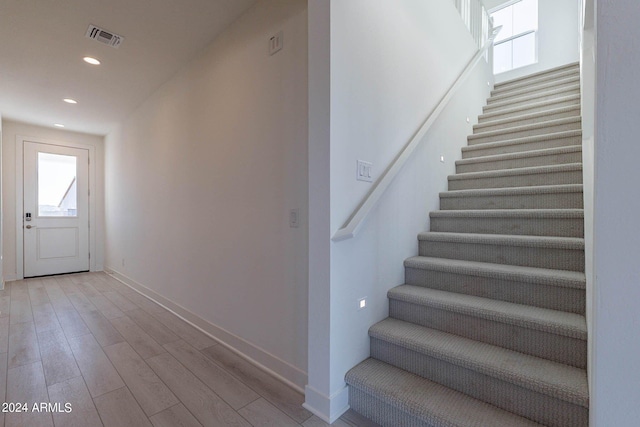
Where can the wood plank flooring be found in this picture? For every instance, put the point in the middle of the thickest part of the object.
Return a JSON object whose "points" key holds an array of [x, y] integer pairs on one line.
{"points": [[121, 360]]}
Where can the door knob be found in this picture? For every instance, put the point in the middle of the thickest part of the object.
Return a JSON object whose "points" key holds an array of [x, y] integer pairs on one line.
{"points": [[29, 226]]}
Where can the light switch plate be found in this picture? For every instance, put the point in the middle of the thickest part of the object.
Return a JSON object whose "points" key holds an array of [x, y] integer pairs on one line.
{"points": [[364, 171], [294, 218], [275, 43]]}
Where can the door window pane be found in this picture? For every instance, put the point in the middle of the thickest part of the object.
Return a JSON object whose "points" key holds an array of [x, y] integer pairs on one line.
{"points": [[57, 189]]}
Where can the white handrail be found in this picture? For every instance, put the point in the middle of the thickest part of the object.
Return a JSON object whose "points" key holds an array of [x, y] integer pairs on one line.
{"points": [[354, 223]]}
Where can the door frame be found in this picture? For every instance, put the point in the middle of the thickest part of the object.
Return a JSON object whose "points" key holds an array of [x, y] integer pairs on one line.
{"points": [[20, 140]]}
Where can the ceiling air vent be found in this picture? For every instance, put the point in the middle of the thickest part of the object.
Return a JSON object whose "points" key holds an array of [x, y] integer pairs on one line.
{"points": [[104, 36]]}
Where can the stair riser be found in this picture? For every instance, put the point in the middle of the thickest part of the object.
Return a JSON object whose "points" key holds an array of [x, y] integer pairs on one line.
{"points": [[549, 76], [381, 412], [493, 106], [524, 201], [539, 407], [535, 85], [512, 112], [563, 227], [477, 130], [480, 151], [571, 300], [550, 178], [515, 134], [553, 258], [559, 84], [562, 349], [524, 162]]}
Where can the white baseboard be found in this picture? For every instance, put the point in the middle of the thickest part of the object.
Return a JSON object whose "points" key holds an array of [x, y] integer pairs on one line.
{"points": [[285, 372], [10, 278], [327, 408]]}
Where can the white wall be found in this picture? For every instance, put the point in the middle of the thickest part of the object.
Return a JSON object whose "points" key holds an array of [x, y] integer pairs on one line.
{"points": [[200, 180], [390, 64], [2, 280], [587, 85], [11, 131], [617, 239], [558, 36]]}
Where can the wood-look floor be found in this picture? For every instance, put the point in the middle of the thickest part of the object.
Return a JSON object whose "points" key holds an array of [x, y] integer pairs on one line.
{"points": [[121, 360]]}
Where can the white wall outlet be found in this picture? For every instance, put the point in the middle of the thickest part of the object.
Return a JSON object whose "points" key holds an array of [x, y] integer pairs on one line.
{"points": [[275, 43], [468, 120], [441, 159], [294, 218], [362, 303], [364, 171]]}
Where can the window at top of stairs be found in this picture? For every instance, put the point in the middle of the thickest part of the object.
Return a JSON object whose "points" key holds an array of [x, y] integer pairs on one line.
{"points": [[516, 44]]}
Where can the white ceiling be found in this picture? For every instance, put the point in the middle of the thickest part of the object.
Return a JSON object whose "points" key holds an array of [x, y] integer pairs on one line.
{"points": [[42, 43]]}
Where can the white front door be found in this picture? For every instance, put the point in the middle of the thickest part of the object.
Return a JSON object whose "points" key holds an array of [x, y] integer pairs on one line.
{"points": [[56, 209]]}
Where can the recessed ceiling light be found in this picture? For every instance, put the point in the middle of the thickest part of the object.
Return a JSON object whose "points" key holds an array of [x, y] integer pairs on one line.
{"points": [[70, 101], [58, 125], [90, 60]]}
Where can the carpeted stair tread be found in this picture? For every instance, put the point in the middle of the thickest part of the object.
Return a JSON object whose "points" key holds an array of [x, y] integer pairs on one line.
{"points": [[541, 319], [537, 222], [542, 331], [429, 402], [529, 176], [569, 76], [536, 275], [544, 74], [510, 213], [540, 106], [504, 240], [518, 171], [569, 111], [562, 253], [524, 140], [539, 86], [562, 290], [536, 96], [542, 189], [554, 379], [531, 197], [567, 121], [536, 85], [528, 95], [528, 100], [521, 155]]}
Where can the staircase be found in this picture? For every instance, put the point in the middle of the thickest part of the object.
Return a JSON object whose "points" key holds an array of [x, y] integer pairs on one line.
{"points": [[489, 328]]}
